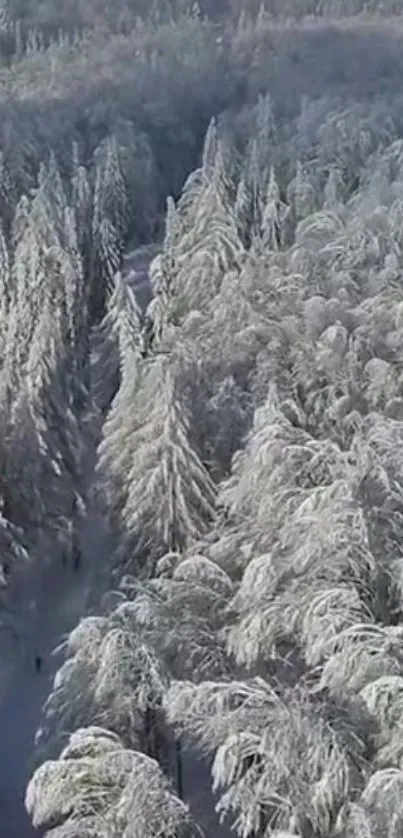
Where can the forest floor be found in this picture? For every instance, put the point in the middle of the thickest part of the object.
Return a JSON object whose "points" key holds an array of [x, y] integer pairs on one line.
{"points": [[59, 598]]}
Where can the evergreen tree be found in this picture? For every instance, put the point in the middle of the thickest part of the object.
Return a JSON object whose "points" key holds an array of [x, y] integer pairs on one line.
{"points": [[45, 429], [282, 761], [111, 675], [99, 787], [167, 498], [109, 223]]}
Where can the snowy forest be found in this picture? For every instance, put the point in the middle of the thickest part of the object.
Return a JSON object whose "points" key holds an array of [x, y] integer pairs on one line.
{"points": [[201, 412]]}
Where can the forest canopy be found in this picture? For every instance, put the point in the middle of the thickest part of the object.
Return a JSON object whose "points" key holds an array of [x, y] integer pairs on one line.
{"points": [[229, 412]]}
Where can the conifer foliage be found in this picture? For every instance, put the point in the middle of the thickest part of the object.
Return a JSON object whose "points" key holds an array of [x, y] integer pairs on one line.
{"points": [[254, 496], [241, 437]]}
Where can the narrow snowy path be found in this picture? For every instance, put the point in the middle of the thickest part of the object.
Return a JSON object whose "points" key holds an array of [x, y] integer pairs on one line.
{"points": [[21, 707], [198, 794], [60, 597]]}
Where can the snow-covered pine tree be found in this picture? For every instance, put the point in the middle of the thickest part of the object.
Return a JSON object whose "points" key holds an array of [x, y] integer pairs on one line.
{"points": [[281, 761], [260, 156], [301, 194], [160, 311], [209, 244], [117, 342], [274, 215], [167, 498], [5, 283], [99, 788], [184, 613], [109, 223], [43, 423], [82, 200], [8, 195], [111, 675]]}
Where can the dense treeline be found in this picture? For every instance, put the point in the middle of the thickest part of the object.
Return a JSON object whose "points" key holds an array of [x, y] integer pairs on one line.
{"points": [[248, 424], [251, 467], [156, 87], [49, 17]]}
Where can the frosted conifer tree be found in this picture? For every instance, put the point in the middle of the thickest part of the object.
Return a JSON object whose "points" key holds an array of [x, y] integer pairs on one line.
{"points": [[8, 197], [301, 194], [160, 313], [44, 423], [100, 788], [184, 612], [281, 761], [259, 158], [111, 675], [273, 216], [209, 244], [81, 199], [244, 211], [117, 342], [168, 497], [5, 279], [109, 222]]}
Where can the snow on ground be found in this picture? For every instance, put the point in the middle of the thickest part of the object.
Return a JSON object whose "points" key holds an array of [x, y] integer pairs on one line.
{"points": [[59, 598], [197, 793]]}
